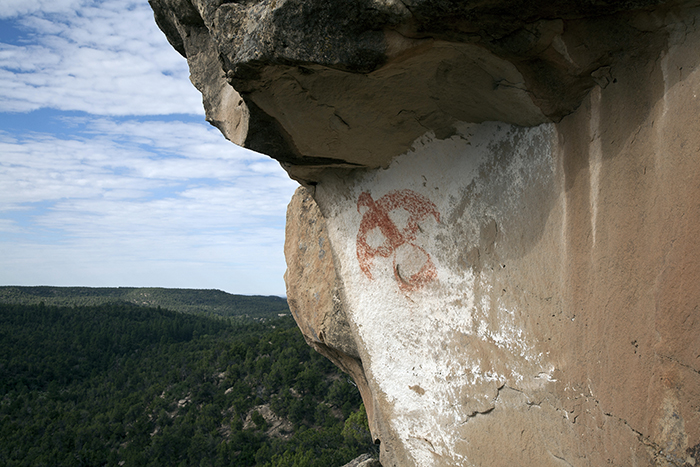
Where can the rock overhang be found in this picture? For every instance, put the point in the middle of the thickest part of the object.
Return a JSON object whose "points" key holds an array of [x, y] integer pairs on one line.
{"points": [[352, 84], [553, 146]]}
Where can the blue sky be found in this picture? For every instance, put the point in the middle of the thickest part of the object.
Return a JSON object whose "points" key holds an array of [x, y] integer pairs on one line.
{"points": [[109, 175]]}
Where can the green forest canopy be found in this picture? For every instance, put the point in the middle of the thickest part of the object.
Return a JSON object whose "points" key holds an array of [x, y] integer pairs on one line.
{"points": [[206, 302], [118, 384]]}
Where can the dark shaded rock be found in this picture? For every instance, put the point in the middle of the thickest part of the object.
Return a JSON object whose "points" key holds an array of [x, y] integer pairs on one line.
{"points": [[347, 84]]}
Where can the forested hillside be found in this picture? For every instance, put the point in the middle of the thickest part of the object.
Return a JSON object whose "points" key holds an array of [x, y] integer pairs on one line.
{"points": [[202, 302], [118, 384]]}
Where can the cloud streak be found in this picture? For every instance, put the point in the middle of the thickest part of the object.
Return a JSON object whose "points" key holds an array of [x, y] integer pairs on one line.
{"points": [[137, 197], [134, 189], [106, 58]]}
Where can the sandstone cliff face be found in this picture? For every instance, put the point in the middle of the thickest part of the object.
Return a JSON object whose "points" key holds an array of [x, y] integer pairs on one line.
{"points": [[499, 234]]}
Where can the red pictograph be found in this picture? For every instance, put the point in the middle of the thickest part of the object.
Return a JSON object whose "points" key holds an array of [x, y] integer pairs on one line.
{"points": [[377, 216]]}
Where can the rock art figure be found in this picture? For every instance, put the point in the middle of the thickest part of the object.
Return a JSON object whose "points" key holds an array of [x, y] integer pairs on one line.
{"points": [[412, 265]]}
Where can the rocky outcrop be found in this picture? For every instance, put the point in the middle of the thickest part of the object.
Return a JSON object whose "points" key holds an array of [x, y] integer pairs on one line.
{"points": [[499, 231], [352, 84], [365, 460], [315, 293]]}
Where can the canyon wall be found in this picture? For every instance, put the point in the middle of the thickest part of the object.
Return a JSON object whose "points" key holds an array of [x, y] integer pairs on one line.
{"points": [[498, 232]]}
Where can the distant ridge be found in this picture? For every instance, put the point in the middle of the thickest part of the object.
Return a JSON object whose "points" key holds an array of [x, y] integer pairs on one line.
{"points": [[195, 301]]}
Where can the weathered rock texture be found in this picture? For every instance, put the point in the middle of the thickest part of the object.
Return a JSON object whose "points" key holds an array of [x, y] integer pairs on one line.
{"points": [[499, 234], [365, 460]]}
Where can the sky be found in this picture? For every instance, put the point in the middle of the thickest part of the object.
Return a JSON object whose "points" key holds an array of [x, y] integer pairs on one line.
{"points": [[109, 174]]}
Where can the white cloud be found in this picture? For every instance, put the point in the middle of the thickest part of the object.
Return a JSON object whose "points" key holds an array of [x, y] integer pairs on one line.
{"points": [[122, 198], [11, 8], [131, 156], [104, 58], [200, 141]]}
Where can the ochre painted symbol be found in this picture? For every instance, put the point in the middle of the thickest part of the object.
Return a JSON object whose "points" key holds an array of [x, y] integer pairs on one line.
{"points": [[412, 265]]}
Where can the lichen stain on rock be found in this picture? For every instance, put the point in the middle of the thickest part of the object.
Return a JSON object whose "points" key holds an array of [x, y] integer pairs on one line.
{"points": [[452, 337]]}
